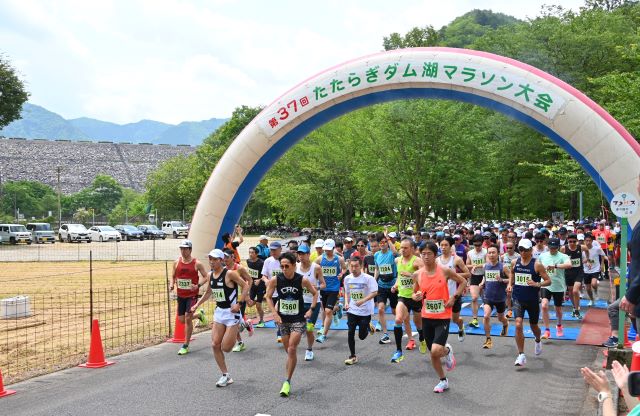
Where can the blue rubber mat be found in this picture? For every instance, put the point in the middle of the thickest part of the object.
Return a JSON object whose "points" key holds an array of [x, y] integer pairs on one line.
{"points": [[570, 334], [600, 304], [566, 316]]}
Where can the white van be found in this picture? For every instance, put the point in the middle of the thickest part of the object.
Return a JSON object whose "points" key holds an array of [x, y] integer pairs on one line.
{"points": [[14, 234], [175, 228]]}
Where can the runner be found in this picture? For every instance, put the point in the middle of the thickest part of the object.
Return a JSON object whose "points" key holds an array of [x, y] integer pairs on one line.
{"points": [[406, 265], [575, 275], [333, 268], [230, 264], [317, 245], [593, 266], [496, 278], [258, 286], [369, 267], [527, 277], [507, 259], [432, 290], [227, 288], [270, 270], [359, 291], [231, 243], [602, 235], [185, 274], [385, 275], [476, 259], [348, 248], [540, 246], [452, 261], [290, 315], [263, 248], [313, 273], [555, 264]]}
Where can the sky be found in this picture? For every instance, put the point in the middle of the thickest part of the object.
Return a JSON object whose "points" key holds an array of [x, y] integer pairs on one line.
{"points": [[173, 61]]}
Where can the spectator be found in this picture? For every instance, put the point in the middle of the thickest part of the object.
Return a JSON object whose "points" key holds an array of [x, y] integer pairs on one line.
{"points": [[263, 247], [231, 243], [631, 302]]}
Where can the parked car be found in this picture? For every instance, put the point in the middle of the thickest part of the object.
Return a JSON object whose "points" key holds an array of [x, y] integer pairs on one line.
{"points": [[129, 232], [175, 228], [73, 232], [14, 234], [41, 232], [104, 233], [151, 232]]}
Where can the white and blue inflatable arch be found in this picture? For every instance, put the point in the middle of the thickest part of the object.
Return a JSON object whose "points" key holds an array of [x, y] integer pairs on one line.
{"points": [[606, 151]]}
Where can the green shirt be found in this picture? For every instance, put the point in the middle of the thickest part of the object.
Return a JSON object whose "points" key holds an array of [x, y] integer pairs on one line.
{"points": [[557, 276], [405, 283]]}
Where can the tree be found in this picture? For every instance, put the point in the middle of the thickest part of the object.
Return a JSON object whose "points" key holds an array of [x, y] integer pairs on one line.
{"points": [[29, 197], [12, 93], [102, 196], [131, 208]]}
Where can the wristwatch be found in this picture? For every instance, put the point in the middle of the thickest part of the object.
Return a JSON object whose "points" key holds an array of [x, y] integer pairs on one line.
{"points": [[602, 396]]}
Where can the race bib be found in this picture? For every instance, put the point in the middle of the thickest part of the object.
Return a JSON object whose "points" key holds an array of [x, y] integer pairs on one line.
{"points": [[600, 238], [477, 261], [329, 271], [491, 275], [433, 306], [288, 307], [372, 269], [521, 279], [385, 269], [254, 274], [218, 295], [357, 294], [575, 262], [406, 283], [184, 283], [509, 266], [275, 272]]}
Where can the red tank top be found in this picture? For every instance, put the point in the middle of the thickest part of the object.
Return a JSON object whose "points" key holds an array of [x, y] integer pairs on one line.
{"points": [[186, 275], [435, 294]]}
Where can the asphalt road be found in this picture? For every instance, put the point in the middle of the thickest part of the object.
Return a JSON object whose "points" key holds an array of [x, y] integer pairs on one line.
{"points": [[155, 381]]}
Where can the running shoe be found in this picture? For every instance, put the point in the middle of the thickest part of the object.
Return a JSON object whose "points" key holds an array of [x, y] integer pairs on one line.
{"points": [[612, 342], [183, 351], [538, 347], [351, 360], [590, 303], [423, 347], [336, 320], [505, 330], [249, 327], [449, 359], [308, 355], [441, 386], [384, 339], [224, 381], [320, 331], [279, 339], [260, 324], [372, 328], [461, 334], [378, 327], [321, 339], [397, 357], [488, 343], [546, 334], [241, 326], [202, 317], [239, 347], [286, 389], [411, 345], [340, 309], [509, 314], [577, 314], [310, 326], [521, 360], [559, 330], [474, 323]]}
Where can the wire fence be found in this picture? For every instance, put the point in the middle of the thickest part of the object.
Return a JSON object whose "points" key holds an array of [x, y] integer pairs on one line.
{"points": [[45, 321]]}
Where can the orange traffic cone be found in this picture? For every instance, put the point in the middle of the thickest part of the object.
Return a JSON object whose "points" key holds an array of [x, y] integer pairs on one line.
{"points": [[635, 361], [96, 353], [627, 343], [4, 392], [179, 334]]}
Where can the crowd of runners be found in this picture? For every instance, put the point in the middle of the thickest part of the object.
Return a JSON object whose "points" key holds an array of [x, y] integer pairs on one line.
{"points": [[514, 269]]}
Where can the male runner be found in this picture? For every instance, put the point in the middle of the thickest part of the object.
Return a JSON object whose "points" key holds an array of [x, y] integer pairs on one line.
{"points": [[258, 286], [333, 268], [540, 246], [496, 278], [348, 248], [263, 248], [185, 274], [230, 264], [555, 264], [313, 273], [432, 290], [476, 258], [593, 266], [602, 236], [575, 275], [527, 277], [507, 259], [270, 270], [290, 315], [359, 291], [385, 275], [317, 247], [227, 288], [451, 260], [406, 265]]}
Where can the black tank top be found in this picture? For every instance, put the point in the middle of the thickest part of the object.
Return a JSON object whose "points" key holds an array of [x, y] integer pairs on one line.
{"points": [[290, 300], [224, 296], [369, 265], [255, 268], [576, 261]]}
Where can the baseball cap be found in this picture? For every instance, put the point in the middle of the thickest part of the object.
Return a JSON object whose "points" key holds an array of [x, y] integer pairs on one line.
{"points": [[486, 234], [580, 237], [525, 244], [318, 243], [329, 244], [562, 230], [303, 249], [216, 253], [554, 243], [393, 234], [348, 239], [186, 244], [532, 226], [274, 245], [603, 222], [263, 237]]}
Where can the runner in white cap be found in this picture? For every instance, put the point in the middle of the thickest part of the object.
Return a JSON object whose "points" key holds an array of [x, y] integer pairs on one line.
{"points": [[317, 252]]}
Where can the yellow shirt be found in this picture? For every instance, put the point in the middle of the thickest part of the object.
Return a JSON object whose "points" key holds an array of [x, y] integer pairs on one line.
{"points": [[313, 256]]}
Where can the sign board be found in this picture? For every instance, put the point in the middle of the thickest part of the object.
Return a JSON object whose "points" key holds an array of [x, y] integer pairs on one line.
{"points": [[557, 216], [624, 204]]}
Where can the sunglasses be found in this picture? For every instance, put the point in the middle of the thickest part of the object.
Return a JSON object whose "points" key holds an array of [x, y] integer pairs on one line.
{"points": [[285, 266], [573, 241], [361, 245]]}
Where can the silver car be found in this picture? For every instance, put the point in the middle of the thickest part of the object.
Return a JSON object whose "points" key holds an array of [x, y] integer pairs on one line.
{"points": [[41, 232]]}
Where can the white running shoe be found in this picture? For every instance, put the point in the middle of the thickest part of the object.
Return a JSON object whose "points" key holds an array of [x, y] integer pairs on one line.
{"points": [[521, 360], [441, 386], [449, 359], [538, 348], [308, 356], [224, 380], [590, 303]]}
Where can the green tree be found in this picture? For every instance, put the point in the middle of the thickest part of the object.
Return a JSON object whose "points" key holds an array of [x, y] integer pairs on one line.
{"points": [[131, 208], [12, 93], [29, 197]]}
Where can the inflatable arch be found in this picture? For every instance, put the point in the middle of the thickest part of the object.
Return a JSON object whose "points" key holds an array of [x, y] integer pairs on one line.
{"points": [[606, 151]]}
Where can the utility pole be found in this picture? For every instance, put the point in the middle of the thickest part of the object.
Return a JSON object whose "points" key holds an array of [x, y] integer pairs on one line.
{"points": [[58, 170]]}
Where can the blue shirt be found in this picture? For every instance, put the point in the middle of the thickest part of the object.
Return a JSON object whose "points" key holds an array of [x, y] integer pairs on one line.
{"points": [[331, 271], [494, 291], [387, 271]]}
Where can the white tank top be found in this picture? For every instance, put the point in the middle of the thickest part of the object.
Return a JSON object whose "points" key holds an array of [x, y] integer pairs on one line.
{"points": [[478, 259], [311, 276], [453, 286]]}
